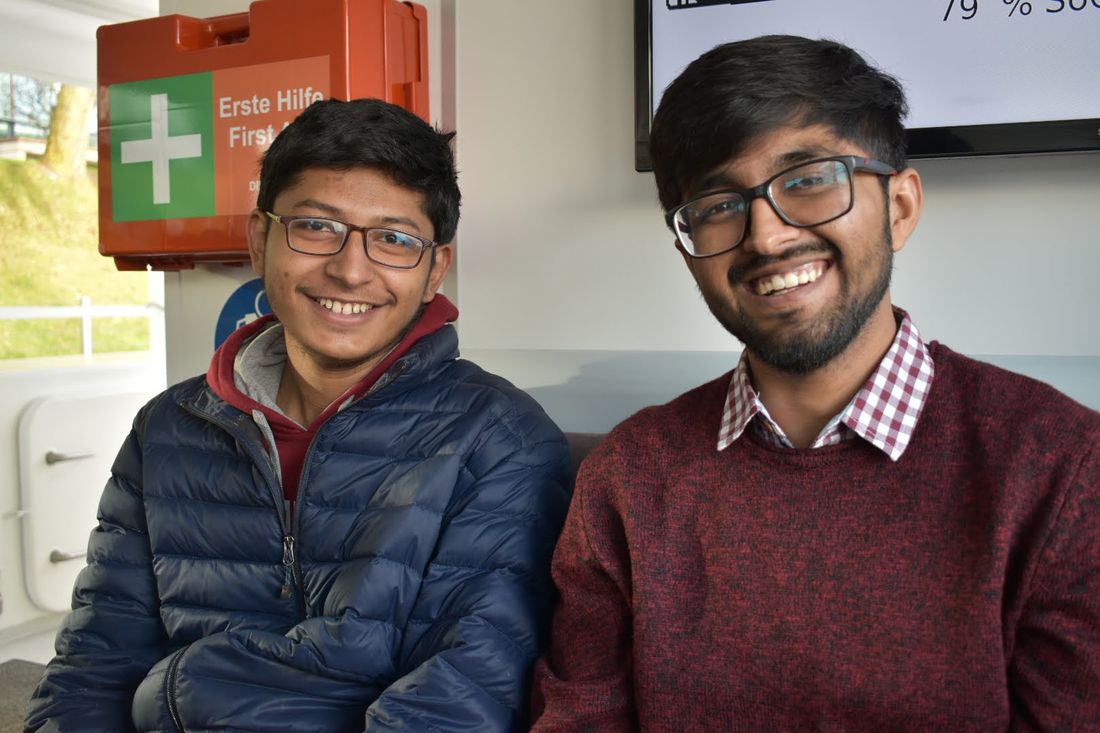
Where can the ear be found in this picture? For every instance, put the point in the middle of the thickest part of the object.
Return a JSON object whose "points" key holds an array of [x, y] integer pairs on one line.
{"points": [[258, 227], [906, 199], [443, 257]]}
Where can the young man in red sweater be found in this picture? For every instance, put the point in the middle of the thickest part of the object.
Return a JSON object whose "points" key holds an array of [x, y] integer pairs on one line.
{"points": [[854, 530]]}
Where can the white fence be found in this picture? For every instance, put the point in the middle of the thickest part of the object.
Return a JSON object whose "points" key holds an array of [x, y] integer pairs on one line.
{"points": [[85, 312]]}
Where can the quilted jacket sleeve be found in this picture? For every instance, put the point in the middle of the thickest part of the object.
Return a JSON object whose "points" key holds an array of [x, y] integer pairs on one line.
{"points": [[482, 618], [113, 635]]}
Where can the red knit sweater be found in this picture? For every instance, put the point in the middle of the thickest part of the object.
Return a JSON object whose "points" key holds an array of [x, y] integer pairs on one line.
{"points": [[768, 589]]}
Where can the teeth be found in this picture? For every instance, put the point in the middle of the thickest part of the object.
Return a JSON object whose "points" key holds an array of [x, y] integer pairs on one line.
{"points": [[785, 281], [342, 308]]}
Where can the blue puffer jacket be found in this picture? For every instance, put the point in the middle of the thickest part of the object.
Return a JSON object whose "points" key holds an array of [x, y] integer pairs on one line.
{"points": [[411, 592]]}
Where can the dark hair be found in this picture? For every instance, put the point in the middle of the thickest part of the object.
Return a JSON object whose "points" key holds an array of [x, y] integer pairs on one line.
{"points": [[372, 133], [738, 91]]}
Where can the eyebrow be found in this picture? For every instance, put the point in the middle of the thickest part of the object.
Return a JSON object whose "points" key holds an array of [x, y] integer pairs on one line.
{"points": [[721, 179], [336, 213]]}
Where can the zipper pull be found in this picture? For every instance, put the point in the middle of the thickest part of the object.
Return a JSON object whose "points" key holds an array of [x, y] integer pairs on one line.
{"points": [[288, 565]]}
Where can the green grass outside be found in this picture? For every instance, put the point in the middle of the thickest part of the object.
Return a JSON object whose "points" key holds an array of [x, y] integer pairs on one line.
{"points": [[49, 239]]}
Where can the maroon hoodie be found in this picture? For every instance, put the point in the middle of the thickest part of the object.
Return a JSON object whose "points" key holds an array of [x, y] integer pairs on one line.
{"points": [[292, 440]]}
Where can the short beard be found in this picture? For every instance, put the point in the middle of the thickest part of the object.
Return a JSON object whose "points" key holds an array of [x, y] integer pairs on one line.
{"points": [[803, 352]]}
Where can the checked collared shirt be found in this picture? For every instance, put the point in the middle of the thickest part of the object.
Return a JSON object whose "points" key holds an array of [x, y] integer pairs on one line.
{"points": [[883, 412]]}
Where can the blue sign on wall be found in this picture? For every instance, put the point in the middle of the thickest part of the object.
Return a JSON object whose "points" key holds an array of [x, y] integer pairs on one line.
{"points": [[246, 304]]}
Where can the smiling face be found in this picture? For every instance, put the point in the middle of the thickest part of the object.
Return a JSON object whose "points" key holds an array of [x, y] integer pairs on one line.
{"points": [[343, 313], [800, 297]]}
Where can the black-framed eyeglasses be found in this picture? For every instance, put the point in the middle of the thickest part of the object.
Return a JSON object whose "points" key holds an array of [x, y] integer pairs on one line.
{"points": [[318, 235], [806, 195]]}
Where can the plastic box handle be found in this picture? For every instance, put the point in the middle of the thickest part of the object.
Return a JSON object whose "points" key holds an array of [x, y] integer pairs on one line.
{"points": [[193, 34]]}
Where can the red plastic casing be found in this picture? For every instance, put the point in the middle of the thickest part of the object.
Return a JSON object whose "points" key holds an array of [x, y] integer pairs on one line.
{"points": [[374, 48]]}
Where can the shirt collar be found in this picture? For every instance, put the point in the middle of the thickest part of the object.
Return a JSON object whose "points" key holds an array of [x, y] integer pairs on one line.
{"points": [[883, 412]]}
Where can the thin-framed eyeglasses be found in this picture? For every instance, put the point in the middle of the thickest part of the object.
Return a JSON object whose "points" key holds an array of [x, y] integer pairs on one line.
{"points": [[319, 235], [806, 195]]}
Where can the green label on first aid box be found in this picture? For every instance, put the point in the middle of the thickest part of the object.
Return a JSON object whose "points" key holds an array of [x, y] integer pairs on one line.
{"points": [[162, 148]]}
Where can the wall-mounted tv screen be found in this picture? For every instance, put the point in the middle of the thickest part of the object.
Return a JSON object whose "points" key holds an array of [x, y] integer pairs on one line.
{"points": [[983, 77]]}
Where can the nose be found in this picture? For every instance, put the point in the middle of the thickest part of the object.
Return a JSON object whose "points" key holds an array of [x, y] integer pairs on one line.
{"points": [[351, 264], [766, 232]]}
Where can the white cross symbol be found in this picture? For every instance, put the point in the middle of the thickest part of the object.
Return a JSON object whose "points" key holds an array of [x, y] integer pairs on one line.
{"points": [[161, 148]]}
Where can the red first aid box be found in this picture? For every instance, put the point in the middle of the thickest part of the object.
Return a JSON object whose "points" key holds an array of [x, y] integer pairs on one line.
{"points": [[187, 106]]}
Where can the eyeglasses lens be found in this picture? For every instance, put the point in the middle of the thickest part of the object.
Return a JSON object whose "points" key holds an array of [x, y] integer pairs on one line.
{"points": [[393, 248], [316, 236]]}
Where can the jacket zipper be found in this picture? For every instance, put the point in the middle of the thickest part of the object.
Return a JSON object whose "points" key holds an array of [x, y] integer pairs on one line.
{"points": [[291, 564], [290, 581], [292, 576], [170, 690], [290, 558], [292, 573]]}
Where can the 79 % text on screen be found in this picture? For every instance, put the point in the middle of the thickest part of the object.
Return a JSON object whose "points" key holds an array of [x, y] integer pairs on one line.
{"points": [[969, 8]]}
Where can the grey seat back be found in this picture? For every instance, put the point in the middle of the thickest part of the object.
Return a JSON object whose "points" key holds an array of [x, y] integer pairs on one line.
{"points": [[580, 444]]}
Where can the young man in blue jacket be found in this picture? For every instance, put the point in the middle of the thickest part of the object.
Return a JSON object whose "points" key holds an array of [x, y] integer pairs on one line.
{"points": [[342, 526]]}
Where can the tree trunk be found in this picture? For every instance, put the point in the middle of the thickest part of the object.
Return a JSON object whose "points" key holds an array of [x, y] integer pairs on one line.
{"points": [[67, 143]]}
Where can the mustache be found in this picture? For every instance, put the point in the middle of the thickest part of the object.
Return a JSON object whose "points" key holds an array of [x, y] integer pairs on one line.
{"points": [[740, 273]]}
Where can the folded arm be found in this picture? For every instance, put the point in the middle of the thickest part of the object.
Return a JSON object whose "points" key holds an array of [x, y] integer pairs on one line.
{"points": [[482, 616], [464, 658]]}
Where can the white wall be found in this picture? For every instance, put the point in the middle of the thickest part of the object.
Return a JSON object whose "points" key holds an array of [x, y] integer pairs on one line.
{"points": [[561, 243], [1005, 258]]}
